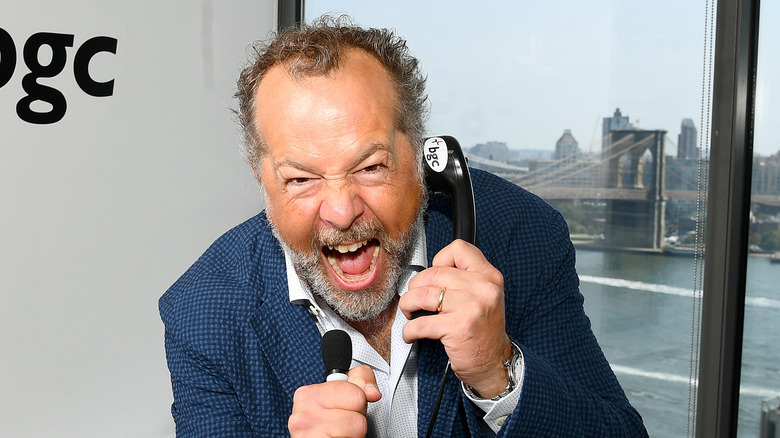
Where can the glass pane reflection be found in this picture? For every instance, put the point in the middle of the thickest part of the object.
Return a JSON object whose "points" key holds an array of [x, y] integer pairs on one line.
{"points": [[547, 94]]}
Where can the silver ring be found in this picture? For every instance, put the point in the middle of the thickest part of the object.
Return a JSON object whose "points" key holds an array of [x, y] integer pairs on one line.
{"points": [[441, 298]]}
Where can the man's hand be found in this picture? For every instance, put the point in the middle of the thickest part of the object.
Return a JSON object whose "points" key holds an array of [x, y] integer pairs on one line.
{"points": [[470, 322], [334, 409]]}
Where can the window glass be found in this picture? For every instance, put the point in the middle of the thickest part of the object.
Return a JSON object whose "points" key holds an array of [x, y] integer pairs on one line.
{"points": [[760, 380], [597, 108]]}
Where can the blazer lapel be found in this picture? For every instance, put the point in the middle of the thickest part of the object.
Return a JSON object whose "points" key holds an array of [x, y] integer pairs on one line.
{"points": [[289, 339]]}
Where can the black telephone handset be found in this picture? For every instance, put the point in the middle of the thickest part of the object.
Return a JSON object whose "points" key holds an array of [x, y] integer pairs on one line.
{"points": [[447, 172]]}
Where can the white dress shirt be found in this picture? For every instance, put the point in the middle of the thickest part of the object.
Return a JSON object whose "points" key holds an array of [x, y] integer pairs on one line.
{"points": [[395, 414]]}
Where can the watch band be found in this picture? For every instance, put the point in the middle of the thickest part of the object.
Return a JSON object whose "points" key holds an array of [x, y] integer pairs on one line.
{"points": [[511, 365]]}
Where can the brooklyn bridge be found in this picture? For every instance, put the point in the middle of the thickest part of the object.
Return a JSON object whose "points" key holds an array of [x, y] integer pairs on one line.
{"points": [[629, 175]]}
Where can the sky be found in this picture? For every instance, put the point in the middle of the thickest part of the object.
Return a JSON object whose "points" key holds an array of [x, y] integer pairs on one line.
{"points": [[523, 72]]}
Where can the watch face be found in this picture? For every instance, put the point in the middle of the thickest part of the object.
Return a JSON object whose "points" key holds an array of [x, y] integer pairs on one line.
{"points": [[515, 370]]}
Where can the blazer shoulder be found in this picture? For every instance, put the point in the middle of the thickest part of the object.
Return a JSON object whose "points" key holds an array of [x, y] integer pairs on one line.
{"points": [[496, 197], [228, 279], [505, 211]]}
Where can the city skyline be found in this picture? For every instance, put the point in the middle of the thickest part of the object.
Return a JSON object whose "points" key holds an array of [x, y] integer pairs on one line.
{"points": [[540, 68]]}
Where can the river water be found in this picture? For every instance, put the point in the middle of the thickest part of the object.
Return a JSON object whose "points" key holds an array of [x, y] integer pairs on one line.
{"points": [[641, 307]]}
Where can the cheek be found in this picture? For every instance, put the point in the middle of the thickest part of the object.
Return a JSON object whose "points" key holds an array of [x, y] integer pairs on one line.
{"points": [[397, 207], [294, 220]]}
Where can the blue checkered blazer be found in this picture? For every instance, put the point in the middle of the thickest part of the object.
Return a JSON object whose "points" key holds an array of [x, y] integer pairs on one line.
{"points": [[237, 349]]}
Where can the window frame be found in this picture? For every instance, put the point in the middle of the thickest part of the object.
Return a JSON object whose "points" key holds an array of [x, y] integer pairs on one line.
{"points": [[728, 209], [289, 13]]}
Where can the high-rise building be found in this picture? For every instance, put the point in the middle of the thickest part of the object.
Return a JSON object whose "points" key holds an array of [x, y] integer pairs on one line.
{"points": [[617, 121], [687, 148], [567, 147], [567, 168]]}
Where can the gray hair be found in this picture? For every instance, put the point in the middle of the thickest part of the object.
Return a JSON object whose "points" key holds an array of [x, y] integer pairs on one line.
{"points": [[317, 49]]}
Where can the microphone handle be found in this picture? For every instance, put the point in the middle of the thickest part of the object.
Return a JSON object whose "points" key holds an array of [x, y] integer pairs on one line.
{"points": [[336, 376]]}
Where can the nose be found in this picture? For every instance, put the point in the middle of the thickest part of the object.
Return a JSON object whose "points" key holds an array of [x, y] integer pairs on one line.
{"points": [[341, 204]]}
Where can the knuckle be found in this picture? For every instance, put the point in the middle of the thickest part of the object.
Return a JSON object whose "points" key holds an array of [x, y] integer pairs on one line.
{"points": [[435, 273], [498, 279], [301, 394], [492, 293], [298, 421]]}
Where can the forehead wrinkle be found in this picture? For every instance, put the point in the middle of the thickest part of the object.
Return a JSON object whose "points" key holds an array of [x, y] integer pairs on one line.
{"points": [[359, 158]]}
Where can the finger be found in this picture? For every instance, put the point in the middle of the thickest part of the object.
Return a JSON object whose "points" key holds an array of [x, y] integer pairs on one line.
{"points": [[440, 277], [331, 422], [421, 298], [457, 251], [456, 278], [330, 395], [462, 255], [458, 310], [429, 327], [363, 376]]}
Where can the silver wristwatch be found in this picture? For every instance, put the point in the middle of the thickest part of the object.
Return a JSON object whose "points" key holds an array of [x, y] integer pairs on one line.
{"points": [[512, 365]]}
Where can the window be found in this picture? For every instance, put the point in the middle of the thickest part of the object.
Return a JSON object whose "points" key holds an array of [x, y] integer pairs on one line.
{"points": [[600, 109]]}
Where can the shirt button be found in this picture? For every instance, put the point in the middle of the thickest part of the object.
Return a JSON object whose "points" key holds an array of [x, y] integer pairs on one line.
{"points": [[500, 421]]}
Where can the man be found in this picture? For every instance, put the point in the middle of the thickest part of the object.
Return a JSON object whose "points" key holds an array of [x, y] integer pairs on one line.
{"points": [[334, 121]]}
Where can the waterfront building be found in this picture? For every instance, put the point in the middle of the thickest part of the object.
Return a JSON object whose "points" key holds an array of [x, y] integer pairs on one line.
{"points": [[568, 168], [493, 150], [766, 175]]}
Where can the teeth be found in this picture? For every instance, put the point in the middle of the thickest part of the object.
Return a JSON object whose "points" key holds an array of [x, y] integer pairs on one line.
{"points": [[343, 249], [335, 265]]}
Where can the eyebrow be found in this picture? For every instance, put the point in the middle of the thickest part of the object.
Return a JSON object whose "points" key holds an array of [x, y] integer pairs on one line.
{"points": [[368, 152]]}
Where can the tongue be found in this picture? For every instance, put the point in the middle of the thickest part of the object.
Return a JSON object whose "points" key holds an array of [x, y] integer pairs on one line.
{"points": [[356, 262]]}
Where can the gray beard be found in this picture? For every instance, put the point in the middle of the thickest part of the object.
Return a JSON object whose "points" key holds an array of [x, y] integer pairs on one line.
{"points": [[368, 303]]}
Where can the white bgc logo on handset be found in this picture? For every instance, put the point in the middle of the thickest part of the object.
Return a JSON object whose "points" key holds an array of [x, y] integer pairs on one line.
{"points": [[435, 151]]}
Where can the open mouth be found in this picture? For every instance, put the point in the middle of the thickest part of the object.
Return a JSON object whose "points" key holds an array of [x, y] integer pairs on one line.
{"points": [[353, 264]]}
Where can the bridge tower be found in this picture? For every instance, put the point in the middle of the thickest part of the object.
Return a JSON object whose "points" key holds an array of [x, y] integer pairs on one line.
{"points": [[634, 160]]}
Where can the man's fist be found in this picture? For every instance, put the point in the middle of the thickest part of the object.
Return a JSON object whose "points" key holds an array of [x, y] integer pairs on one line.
{"points": [[334, 409]]}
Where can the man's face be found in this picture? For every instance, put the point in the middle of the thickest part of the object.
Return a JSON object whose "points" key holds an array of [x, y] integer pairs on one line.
{"points": [[341, 182]]}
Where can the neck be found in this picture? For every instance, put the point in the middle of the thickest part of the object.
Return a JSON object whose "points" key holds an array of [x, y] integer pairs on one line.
{"points": [[377, 330]]}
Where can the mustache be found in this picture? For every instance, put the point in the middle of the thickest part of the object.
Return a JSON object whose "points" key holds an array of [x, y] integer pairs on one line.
{"points": [[357, 232]]}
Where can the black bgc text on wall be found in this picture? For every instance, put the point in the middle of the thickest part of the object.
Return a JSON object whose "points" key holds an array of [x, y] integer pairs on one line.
{"points": [[36, 91]]}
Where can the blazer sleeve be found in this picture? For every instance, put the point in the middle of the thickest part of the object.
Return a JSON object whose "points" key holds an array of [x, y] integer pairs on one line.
{"points": [[569, 388], [205, 403]]}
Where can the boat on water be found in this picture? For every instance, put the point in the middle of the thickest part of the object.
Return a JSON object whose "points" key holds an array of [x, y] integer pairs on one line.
{"points": [[682, 250]]}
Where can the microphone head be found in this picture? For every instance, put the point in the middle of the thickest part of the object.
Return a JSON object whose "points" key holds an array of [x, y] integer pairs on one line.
{"points": [[336, 351]]}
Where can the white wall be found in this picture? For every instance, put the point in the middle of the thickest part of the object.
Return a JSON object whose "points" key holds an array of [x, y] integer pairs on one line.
{"points": [[103, 210]]}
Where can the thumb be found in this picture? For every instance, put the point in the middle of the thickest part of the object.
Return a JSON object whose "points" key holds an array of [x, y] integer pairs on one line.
{"points": [[363, 376]]}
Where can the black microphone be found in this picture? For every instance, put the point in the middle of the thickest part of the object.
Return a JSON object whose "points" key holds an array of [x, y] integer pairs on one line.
{"points": [[336, 354]]}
